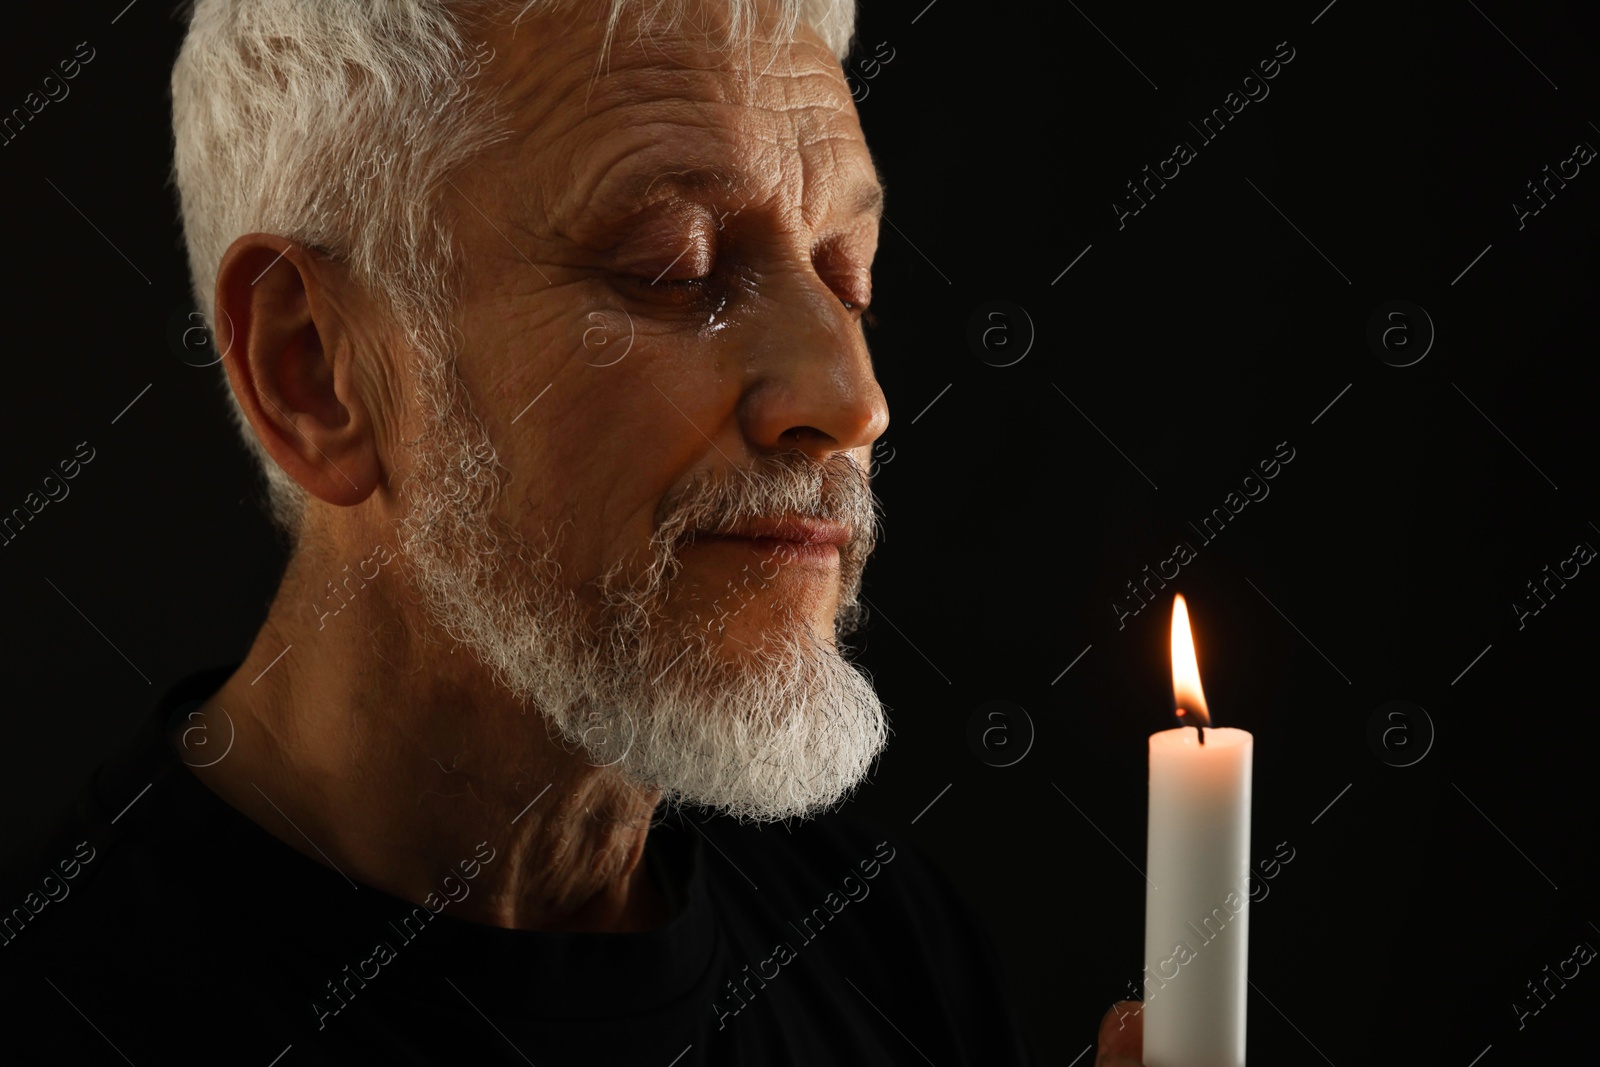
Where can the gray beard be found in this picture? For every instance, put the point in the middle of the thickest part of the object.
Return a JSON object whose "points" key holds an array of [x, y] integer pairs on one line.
{"points": [[784, 728]]}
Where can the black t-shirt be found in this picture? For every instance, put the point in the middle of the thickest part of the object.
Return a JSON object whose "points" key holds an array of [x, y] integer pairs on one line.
{"points": [[160, 925]]}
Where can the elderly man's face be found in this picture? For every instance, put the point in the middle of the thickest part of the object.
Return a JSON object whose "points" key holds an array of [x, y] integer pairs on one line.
{"points": [[659, 328], [664, 276]]}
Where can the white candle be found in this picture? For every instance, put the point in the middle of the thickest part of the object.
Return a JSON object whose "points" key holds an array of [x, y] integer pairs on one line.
{"points": [[1197, 905]]}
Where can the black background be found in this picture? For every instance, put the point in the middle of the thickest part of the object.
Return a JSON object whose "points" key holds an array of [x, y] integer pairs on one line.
{"points": [[1199, 336]]}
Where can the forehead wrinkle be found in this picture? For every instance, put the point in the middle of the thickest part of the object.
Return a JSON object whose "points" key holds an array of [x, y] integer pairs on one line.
{"points": [[647, 81], [816, 115], [734, 119], [565, 48], [844, 188]]}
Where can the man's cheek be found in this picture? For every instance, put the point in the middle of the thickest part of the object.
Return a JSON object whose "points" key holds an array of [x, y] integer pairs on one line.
{"points": [[607, 339]]}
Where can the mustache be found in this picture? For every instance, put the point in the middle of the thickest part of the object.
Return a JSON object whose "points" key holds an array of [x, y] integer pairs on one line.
{"points": [[775, 484]]}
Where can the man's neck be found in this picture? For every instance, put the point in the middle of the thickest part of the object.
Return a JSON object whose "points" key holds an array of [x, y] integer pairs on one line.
{"points": [[400, 763]]}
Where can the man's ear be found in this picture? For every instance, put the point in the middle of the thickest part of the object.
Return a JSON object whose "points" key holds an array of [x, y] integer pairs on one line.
{"points": [[288, 323]]}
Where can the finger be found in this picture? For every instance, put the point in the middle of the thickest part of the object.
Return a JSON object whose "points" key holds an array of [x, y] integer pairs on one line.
{"points": [[1121, 1037]]}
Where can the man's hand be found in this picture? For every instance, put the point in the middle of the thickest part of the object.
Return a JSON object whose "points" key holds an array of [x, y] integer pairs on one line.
{"points": [[1122, 1036]]}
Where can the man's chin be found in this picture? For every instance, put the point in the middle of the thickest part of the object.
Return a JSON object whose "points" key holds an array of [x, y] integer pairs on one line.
{"points": [[785, 730], [744, 647]]}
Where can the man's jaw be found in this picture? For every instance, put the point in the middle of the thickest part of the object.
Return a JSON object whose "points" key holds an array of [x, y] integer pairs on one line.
{"points": [[783, 728]]}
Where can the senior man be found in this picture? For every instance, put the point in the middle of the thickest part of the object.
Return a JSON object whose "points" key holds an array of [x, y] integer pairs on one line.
{"points": [[544, 322]]}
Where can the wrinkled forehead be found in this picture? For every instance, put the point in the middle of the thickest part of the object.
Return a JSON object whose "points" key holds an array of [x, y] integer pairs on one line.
{"points": [[677, 88], [568, 48]]}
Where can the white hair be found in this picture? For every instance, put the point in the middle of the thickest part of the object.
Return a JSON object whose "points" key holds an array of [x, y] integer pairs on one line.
{"points": [[320, 121]]}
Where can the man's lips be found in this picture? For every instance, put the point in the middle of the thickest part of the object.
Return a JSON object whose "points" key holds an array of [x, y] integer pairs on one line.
{"points": [[797, 538], [803, 531]]}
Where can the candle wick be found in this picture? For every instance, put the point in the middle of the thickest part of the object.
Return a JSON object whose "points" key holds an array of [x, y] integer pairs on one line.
{"points": [[1202, 730]]}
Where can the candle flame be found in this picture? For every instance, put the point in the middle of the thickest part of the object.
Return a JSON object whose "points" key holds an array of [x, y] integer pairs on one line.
{"points": [[1186, 691]]}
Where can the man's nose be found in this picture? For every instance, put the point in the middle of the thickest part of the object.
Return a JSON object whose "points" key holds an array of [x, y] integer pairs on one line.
{"points": [[810, 383]]}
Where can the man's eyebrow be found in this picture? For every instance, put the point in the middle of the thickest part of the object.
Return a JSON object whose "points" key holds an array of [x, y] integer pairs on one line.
{"points": [[868, 198], [703, 178], [865, 198]]}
